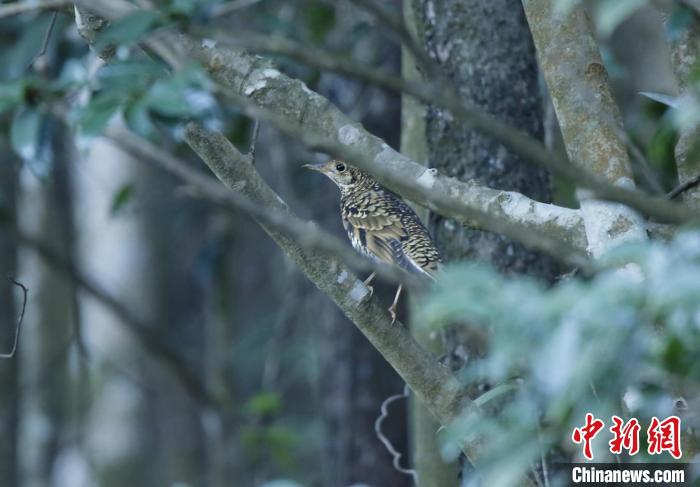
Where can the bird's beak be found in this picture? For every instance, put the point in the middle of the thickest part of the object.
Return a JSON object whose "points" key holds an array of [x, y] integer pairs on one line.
{"points": [[314, 167]]}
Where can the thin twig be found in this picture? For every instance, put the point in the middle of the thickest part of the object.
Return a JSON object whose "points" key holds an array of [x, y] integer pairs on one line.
{"points": [[680, 189], [254, 141], [25, 292], [387, 444], [645, 169], [45, 43]]}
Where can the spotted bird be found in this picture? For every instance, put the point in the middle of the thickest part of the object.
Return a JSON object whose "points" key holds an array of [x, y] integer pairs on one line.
{"points": [[380, 224]]}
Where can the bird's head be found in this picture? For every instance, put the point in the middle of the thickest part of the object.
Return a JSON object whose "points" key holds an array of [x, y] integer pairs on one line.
{"points": [[341, 173]]}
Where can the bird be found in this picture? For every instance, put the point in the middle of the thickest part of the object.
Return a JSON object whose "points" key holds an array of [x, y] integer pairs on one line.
{"points": [[381, 225]]}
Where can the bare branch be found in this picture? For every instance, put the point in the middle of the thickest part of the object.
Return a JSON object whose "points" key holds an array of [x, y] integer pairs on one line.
{"points": [[501, 211], [448, 99], [45, 43], [681, 188], [435, 385], [254, 141], [25, 293], [590, 121], [396, 462]]}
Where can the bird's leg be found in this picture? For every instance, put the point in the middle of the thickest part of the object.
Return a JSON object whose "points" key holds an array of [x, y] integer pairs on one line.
{"points": [[367, 281], [392, 308]]}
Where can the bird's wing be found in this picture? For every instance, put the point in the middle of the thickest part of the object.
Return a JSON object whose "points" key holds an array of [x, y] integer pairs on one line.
{"points": [[377, 235], [385, 228]]}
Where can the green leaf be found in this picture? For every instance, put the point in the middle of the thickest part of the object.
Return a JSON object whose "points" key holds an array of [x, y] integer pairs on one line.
{"points": [[11, 94], [167, 98], [264, 404], [139, 120], [121, 198], [93, 118], [181, 8], [128, 30], [320, 18], [130, 76], [25, 133], [175, 96]]}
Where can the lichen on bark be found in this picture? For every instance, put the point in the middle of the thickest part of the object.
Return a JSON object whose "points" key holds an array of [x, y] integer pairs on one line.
{"points": [[589, 119]]}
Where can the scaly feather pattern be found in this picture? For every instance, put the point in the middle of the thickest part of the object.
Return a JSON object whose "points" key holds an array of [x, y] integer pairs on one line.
{"points": [[379, 223]]}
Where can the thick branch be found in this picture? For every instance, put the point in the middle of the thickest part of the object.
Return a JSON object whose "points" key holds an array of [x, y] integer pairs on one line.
{"points": [[588, 117], [436, 387], [444, 97], [250, 76]]}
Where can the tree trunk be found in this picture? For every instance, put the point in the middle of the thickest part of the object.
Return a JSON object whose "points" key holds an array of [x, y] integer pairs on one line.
{"points": [[9, 390], [431, 469], [48, 333], [485, 48]]}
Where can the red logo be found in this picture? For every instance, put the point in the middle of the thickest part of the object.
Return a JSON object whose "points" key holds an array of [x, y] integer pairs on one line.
{"points": [[662, 436], [586, 434], [625, 435], [665, 436]]}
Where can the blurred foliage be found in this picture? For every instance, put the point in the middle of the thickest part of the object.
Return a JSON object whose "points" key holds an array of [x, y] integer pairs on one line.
{"points": [[580, 346]]}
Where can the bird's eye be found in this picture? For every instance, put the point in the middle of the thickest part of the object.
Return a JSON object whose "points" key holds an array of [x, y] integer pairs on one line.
{"points": [[340, 167]]}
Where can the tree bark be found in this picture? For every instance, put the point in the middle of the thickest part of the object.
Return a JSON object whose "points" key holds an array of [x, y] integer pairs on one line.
{"points": [[485, 47], [431, 469], [685, 57], [588, 116]]}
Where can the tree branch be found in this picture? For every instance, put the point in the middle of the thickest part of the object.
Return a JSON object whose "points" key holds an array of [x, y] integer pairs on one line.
{"points": [[444, 97], [682, 188], [588, 117], [249, 76], [306, 234], [435, 385]]}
